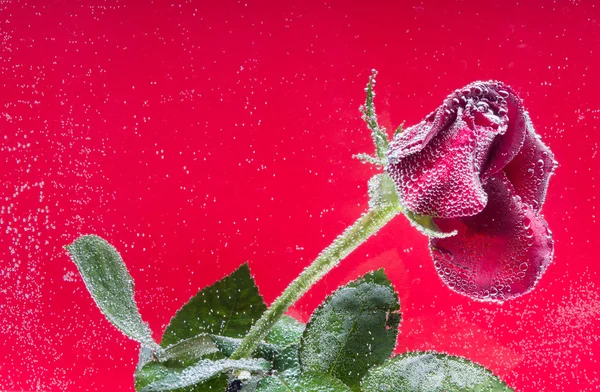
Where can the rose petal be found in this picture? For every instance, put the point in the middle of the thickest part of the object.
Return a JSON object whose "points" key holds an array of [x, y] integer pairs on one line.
{"points": [[442, 179], [415, 138], [498, 254], [531, 169], [507, 146]]}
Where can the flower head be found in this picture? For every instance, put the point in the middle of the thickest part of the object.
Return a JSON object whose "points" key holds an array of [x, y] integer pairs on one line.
{"points": [[476, 165]]}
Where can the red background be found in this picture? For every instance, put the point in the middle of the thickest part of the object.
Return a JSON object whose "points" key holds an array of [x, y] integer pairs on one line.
{"points": [[195, 136]]}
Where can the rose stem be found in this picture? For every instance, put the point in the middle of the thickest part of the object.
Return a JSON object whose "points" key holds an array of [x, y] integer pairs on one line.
{"points": [[367, 225]]}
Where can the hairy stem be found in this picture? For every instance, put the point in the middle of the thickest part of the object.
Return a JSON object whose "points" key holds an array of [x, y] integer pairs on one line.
{"points": [[367, 225]]}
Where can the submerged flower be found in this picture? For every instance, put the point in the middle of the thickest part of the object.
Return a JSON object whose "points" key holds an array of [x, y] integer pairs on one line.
{"points": [[477, 166]]}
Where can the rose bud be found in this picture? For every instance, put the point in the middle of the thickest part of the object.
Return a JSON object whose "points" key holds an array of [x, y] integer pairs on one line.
{"points": [[476, 165]]}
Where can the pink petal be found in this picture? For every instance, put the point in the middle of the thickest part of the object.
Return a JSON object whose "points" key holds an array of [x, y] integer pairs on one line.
{"points": [[436, 164], [498, 254], [507, 146], [531, 169], [415, 138]]}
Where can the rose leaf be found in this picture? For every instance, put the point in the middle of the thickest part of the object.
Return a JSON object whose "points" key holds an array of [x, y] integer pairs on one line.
{"points": [[203, 375], [228, 308], [353, 330], [305, 382], [111, 286], [286, 331], [431, 372]]}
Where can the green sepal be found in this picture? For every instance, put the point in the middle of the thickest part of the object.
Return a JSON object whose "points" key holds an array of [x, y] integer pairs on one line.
{"points": [[398, 130], [382, 192], [380, 138], [426, 225]]}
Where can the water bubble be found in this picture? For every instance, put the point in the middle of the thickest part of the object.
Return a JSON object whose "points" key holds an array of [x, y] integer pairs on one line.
{"points": [[529, 233]]}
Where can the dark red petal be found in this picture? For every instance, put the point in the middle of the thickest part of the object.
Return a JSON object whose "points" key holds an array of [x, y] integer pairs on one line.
{"points": [[507, 146], [442, 179], [531, 169], [498, 254]]}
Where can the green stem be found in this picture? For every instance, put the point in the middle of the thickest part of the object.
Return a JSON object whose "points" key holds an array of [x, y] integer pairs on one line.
{"points": [[367, 225]]}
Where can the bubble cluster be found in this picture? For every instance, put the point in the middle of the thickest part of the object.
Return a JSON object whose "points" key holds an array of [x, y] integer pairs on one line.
{"points": [[438, 164], [498, 254], [477, 166], [531, 169]]}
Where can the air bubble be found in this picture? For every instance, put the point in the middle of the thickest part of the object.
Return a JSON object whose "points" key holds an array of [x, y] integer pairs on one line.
{"points": [[526, 222]]}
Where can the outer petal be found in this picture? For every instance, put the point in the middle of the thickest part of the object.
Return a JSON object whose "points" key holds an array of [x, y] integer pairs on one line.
{"points": [[498, 254], [531, 169], [415, 138], [442, 178]]}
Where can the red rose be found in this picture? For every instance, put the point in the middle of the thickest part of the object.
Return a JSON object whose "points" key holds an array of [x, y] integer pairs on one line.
{"points": [[477, 166]]}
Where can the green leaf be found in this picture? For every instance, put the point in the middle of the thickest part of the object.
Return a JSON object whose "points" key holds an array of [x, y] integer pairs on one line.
{"points": [[157, 376], [431, 372], [228, 345], [353, 330], [287, 358], [286, 331], [228, 308], [178, 356], [306, 382], [190, 350], [426, 225], [155, 371], [247, 385], [111, 286]]}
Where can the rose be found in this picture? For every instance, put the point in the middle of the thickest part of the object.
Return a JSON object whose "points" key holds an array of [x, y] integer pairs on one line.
{"points": [[477, 166]]}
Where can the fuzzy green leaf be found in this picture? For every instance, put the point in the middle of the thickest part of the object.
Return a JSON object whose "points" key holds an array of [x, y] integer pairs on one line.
{"points": [[353, 330], [431, 372], [156, 371], [287, 358], [155, 376], [227, 308], [286, 331], [190, 350], [306, 382], [228, 345], [111, 286]]}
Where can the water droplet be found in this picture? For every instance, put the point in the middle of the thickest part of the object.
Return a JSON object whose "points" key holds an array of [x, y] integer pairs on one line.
{"points": [[540, 162], [523, 267]]}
